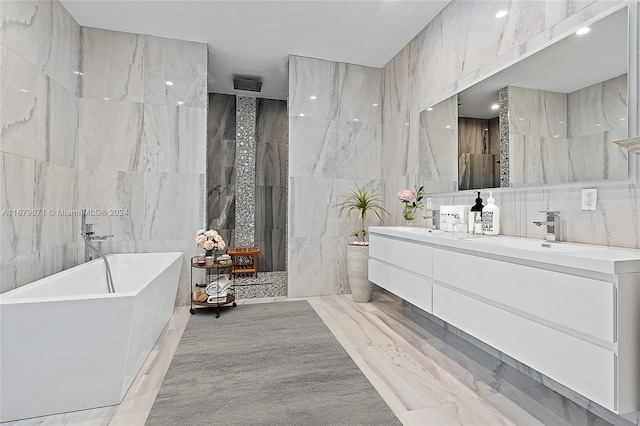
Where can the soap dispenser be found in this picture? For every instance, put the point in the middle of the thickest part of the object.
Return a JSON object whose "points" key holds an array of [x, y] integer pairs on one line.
{"points": [[476, 213], [477, 226], [491, 217]]}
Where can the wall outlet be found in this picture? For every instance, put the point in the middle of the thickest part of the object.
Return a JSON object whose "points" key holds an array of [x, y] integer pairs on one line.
{"points": [[589, 199], [428, 202]]}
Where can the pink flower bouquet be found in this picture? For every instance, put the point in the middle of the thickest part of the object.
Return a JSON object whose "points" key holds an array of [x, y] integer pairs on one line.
{"points": [[210, 241], [412, 202]]}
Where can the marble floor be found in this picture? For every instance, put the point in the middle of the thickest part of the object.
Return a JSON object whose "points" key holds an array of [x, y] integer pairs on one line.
{"points": [[427, 376]]}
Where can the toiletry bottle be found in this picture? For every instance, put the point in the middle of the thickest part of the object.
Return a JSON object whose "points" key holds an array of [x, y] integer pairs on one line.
{"points": [[477, 208], [491, 217], [459, 215], [477, 226], [459, 226], [476, 212], [445, 218]]}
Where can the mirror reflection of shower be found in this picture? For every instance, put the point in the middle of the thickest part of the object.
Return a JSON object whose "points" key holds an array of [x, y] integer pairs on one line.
{"points": [[478, 153], [485, 141]]}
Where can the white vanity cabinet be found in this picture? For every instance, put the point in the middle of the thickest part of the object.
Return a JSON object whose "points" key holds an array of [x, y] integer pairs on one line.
{"points": [[578, 325], [402, 267]]}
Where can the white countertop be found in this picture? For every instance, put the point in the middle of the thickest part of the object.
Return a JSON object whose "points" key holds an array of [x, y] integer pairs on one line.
{"points": [[603, 259]]}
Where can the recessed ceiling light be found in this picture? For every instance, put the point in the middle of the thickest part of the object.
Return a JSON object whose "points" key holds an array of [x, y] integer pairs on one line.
{"points": [[502, 14], [24, 90], [106, 99], [429, 109], [180, 103], [560, 122], [495, 106], [556, 136], [622, 119], [313, 97], [598, 125], [448, 127], [169, 83], [77, 73], [375, 104], [583, 30], [355, 119], [521, 118], [406, 124], [301, 115]]}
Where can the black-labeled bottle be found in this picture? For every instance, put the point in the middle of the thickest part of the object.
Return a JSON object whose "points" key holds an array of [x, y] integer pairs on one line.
{"points": [[476, 212]]}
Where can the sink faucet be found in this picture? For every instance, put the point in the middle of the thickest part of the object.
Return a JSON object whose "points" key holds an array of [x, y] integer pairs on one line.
{"points": [[434, 215], [553, 225]]}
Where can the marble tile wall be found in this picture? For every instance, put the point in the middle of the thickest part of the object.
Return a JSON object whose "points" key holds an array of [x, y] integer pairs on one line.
{"points": [[438, 126], [555, 137], [142, 141], [39, 52], [538, 142], [470, 135], [271, 184], [93, 124], [597, 117], [427, 71], [334, 143], [221, 173]]}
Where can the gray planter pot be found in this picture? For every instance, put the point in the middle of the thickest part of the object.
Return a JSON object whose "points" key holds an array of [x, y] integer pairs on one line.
{"points": [[357, 271]]}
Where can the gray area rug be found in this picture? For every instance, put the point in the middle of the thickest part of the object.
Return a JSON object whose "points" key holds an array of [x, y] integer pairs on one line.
{"points": [[265, 364]]}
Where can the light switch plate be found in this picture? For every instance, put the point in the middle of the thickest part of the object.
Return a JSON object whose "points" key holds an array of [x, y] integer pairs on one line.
{"points": [[589, 199]]}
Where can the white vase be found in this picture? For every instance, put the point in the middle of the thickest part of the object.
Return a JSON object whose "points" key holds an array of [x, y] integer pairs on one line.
{"points": [[357, 271]]}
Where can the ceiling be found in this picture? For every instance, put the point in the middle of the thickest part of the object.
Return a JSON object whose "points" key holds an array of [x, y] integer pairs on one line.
{"points": [[255, 38]]}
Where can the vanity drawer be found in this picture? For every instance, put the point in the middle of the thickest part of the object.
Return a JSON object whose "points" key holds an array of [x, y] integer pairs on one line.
{"points": [[583, 367], [569, 301], [411, 287], [414, 257]]}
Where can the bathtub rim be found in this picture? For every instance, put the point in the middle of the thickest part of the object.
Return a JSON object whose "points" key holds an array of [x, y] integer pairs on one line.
{"points": [[12, 297]]}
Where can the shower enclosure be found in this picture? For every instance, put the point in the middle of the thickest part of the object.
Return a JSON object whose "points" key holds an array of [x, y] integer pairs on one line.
{"points": [[478, 153]]}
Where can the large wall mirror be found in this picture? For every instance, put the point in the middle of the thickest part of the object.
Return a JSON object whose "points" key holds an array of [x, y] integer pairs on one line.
{"points": [[550, 118]]}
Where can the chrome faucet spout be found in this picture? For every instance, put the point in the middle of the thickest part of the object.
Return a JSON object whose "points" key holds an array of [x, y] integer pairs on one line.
{"points": [[101, 237], [88, 235], [553, 225], [434, 215]]}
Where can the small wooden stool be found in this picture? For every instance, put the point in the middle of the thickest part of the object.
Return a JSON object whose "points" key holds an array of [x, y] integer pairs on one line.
{"points": [[251, 252]]}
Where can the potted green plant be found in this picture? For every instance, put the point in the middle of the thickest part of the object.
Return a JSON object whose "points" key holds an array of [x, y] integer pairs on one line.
{"points": [[362, 203]]}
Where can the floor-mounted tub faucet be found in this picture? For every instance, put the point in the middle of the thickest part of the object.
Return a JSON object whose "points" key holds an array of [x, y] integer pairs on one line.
{"points": [[88, 235], [553, 225]]}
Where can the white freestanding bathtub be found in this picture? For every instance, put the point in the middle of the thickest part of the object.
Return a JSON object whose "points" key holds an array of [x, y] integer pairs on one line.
{"points": [[66, 344]]}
